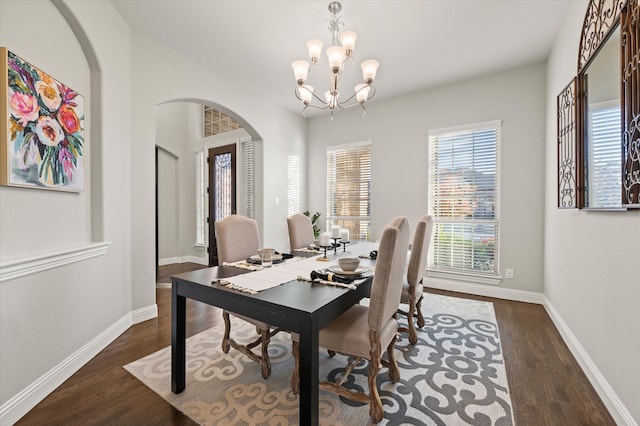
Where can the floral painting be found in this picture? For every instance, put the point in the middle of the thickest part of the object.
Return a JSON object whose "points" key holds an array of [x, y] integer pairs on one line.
{"points": [[42, 128]]}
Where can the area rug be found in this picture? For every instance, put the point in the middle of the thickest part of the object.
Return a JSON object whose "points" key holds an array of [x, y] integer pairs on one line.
{"points": [[453, 375]]}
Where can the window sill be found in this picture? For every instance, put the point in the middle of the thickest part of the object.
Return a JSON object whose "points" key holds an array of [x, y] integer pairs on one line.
{"points": [[464, 276], [604, 209]]}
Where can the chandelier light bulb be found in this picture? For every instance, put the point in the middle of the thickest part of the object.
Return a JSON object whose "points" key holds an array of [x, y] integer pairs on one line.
{"points": [[336, 55], [362, 92], [306, 93], [300, 70], [348, 41], [369, 70], [314, 47]]}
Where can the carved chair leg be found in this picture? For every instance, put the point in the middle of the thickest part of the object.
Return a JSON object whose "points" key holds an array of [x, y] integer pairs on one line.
{"points": [[413, 335], [394, 371], [265, 362], [419, 312], [376, 412], [227, 332], [295, 376]]}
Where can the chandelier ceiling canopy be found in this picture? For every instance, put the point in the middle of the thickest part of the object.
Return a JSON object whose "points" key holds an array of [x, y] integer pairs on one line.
{"points": [[338, 54]]}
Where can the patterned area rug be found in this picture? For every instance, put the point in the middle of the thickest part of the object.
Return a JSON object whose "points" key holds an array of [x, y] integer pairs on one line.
{"points": [[454, 375]]}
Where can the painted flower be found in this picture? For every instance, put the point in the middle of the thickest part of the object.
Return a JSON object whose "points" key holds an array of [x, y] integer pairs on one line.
{"points": [[49, 94], [49, 131], [24, 108], [66, 159], [68, 119]]}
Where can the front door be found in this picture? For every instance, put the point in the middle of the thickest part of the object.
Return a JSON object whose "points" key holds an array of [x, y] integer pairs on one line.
{"points": [[222, 191]]}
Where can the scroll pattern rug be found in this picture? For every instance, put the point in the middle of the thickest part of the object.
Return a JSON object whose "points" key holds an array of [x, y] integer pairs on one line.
{"points": [[454, 375]]}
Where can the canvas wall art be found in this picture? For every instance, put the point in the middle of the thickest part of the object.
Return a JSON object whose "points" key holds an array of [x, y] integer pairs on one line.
{"points": [[41, 128]]}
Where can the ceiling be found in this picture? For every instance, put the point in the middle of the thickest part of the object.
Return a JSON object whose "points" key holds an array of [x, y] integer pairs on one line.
{"points": [[419, 43]]}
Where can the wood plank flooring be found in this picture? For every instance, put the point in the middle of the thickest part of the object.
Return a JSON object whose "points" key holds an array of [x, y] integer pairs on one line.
{"points": [[547, 385]]}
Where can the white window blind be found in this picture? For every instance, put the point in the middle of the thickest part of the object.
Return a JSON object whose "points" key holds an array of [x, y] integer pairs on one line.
{"points": [[293, 184], [349, 189], [464, 198], [604, 156], [248, 178], [200, 198]]}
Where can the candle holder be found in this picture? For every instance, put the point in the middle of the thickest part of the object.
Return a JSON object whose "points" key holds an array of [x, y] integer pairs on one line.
{"points": [[344, 245], [335, 244], [324, 258]]}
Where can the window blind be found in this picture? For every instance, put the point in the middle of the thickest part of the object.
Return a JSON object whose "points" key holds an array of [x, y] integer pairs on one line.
{"points": [[605, 173], [200, 198], [349, 189], [248, 178], [293, 185], [464, 198]]}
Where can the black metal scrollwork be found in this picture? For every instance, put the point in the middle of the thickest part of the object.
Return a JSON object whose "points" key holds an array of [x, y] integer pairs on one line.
{"points": [[630, 39], [567, 153]]}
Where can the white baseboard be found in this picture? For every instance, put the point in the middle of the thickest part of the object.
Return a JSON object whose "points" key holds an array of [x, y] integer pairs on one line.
{"points": [[609, 397], [486, 290], [183, 259], [19, 405], [167, 261]]}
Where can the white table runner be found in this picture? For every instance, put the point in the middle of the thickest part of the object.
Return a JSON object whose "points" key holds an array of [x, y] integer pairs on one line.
{"points": [[291, 269]]}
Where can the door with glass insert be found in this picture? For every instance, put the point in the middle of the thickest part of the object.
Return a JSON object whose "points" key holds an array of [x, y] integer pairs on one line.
{"points": [[222, 191]]}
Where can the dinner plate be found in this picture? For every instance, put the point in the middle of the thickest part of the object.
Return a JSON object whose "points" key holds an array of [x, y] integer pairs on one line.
{"points": [[338, 270], [276, 258]]}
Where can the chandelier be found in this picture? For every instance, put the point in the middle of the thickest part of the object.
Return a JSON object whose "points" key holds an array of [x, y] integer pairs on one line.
{"points": [[340, 52]]}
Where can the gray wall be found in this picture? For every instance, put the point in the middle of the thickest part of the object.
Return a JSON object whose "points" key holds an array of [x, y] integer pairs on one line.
{"points": [[398, 129], [591, 267]]}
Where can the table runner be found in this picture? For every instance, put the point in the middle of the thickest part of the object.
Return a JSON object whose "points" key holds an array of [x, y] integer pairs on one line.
{"points": [[290, 269]]}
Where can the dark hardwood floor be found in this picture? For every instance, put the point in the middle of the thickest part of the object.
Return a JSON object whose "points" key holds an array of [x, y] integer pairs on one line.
{"points": [[547, 385]]}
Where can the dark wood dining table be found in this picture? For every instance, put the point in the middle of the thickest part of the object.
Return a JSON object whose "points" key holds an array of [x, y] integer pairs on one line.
{"points": [[297, 306]]}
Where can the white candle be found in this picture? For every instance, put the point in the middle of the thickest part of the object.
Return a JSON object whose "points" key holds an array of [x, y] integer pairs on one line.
{"points": [[324, 239], [335, 231], [344, 235]]}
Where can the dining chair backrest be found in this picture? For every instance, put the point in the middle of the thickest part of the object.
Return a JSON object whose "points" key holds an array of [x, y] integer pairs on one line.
{"points": [[237, 238], [387, 279], [419, 249], [300, 231]]}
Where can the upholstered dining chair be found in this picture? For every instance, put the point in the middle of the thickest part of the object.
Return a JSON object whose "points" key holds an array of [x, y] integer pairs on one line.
{"points": [[363, 331], [237, 238], [300, 231], [412, 286]]}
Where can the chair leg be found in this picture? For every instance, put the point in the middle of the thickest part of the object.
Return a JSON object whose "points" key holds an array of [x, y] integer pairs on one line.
{"points": [[295, 376], [265, 362], [227, 332], [376, 412], [413, 335], [419, 312], [394, 371]]}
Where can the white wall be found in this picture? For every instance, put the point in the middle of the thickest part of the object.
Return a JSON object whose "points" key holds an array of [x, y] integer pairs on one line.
{"points": [[181, 79], [49, 317], [398, 129], [592, 267]]}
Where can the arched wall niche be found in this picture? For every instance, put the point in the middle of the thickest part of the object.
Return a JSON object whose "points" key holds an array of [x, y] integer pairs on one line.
{"points": [[95, 113]]}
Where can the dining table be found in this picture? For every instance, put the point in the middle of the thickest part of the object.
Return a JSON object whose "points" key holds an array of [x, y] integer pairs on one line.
{"points": [[283, 296]]}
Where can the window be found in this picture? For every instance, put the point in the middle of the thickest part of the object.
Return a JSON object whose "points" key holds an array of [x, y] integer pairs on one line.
{"points": [[349, 188], [200, 198], [247, 186], [464, 198], [603, 156], [215, 122], [293, 185]]}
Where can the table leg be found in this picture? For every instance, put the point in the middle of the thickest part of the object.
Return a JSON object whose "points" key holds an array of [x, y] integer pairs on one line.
{"points": [[309, 382], [178, 339]]}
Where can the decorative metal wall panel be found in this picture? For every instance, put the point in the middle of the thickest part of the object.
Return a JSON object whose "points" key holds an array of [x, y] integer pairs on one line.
{"points": [[601, 16], [567, 147], [630, 25]]}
